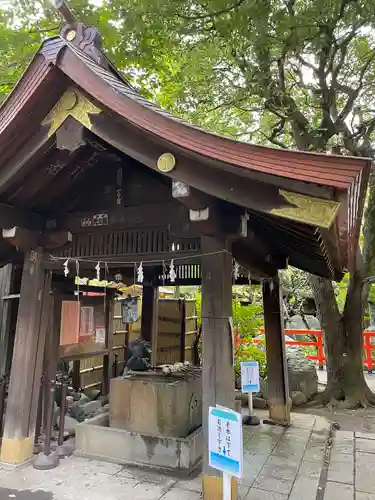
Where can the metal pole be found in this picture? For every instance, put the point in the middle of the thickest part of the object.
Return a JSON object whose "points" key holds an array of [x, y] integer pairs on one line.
{"points": [[227, 493], [250, 400], [64, 393], [3, 384], [50, 415], [48, 459], [63, 449], [38, 425]]}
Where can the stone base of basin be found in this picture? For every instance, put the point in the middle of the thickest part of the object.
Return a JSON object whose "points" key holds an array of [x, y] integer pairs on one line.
{"points": [[96, 440]]}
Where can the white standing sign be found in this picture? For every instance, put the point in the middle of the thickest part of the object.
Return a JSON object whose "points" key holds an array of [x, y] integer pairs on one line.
{"points": [[250, 376], [225, 441]]}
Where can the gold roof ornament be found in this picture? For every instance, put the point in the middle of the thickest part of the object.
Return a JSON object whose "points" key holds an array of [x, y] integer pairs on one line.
{"points": [[308, 209], [166, 162], [73, 103]]}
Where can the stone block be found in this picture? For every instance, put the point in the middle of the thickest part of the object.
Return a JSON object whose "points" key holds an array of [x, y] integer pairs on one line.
{"points": [[156, 405], [298, 398], [94, 439], [70, 425], [91, 407], [259, 403]]}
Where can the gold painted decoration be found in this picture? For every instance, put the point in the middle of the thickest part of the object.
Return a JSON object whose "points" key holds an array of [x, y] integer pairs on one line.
{"points": [[73, 104], [70, 36], [307, 209], [166, 162]]}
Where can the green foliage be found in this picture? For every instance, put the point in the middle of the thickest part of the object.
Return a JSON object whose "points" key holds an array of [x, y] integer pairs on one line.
{"points": [[198, 306], [292, 72], [251, 352], [247, 318]]}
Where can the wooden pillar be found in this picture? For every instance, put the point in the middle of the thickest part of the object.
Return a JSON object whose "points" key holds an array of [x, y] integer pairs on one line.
{"points": [[182, 306], [24, 386], [6, 281], [148, 299], [154, 326], [218, 371], [108, 358], [52, 351], [278, 390]]}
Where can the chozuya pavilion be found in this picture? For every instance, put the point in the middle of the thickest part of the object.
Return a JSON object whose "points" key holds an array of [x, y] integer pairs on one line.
{"points": [[91, 172]]}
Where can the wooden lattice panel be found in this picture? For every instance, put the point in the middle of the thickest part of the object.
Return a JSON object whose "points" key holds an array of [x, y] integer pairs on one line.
{"points": [[129, 241]]}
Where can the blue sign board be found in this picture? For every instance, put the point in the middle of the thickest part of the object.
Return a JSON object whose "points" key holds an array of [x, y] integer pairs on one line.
{"points": [[225, 441], [250, 376]]}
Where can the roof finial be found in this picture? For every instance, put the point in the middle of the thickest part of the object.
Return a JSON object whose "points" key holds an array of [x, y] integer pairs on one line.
{"points": [[64, 10], [86, 38]]}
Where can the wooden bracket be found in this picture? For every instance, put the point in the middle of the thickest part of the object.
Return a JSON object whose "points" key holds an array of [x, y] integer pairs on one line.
{"points": [[25, 239], [70, 135], [11, 216], [21, 238]]}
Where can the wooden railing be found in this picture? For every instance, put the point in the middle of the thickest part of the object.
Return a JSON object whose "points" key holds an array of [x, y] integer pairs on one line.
{"points": [[318, 344]]}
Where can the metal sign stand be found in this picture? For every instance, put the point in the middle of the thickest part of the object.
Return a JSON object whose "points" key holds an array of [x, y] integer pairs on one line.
{"points": [[227, 486], [250, 384]]}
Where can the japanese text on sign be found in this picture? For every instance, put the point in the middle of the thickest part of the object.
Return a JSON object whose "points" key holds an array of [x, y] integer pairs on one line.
{"points": [[250, 376], [225, 441]]}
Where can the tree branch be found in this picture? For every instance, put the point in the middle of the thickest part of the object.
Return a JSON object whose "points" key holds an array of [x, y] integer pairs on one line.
{"points": [[44, 30], [213, 14]]}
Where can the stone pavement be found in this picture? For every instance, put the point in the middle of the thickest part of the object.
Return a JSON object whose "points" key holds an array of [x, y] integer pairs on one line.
{"points": [[279, 464]]}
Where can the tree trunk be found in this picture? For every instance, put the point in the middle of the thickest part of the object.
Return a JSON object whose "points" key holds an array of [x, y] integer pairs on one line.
{"points": [[343, 342]]}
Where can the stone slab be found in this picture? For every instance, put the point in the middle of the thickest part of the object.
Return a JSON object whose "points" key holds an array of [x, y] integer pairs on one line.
{"points": [[94, 439], [364, 435], [177, 494], [275, 485], [365, 445], [359, 495], [364, 473], [338, 491], [341, 472], [257, 494], [304, 488], [311, 470]]}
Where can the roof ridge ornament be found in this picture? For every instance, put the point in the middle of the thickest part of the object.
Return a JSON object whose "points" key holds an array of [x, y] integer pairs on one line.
{"points": [[86, 38]]}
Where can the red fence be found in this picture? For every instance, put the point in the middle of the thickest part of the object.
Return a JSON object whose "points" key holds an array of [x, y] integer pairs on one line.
{"points": [[368, 346]]}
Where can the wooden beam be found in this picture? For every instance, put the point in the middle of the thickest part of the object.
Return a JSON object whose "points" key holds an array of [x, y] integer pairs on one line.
{"points": [[108, 358], [30, 153], [221, 184], [24, 239], [11, 216], [218, 370], [55, 239], [190, 197], [155, 327], [127, 217], [148, 300], [18, 440], [279, 402]]}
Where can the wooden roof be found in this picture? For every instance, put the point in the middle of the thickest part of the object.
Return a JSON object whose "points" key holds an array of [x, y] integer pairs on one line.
{"points": [[306, 206]]}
